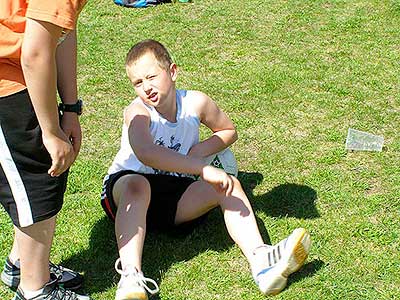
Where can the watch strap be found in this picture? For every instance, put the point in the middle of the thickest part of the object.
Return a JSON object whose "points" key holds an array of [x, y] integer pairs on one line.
{"points": [[76, 108]]}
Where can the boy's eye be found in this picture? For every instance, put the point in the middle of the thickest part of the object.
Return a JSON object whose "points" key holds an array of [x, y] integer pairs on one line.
{"points": [[137, 83]]}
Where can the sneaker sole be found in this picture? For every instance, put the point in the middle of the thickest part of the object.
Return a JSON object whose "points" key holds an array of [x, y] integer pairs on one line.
{"points": [[294, 262], [132, 296], [299, 253]]}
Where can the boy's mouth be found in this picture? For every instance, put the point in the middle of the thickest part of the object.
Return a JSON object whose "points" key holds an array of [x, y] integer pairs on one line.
{"points": [[153, 97]]}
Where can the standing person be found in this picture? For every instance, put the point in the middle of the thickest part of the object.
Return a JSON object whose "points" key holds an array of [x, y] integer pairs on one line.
{"points": [[146, 185], [37, 59]]}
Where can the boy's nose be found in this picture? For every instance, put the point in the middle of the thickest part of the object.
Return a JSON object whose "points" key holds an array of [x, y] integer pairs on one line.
{"points": [[146, 86]]}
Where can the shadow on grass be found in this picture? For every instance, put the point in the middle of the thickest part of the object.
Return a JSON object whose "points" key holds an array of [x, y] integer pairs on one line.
{"points": [[285, 200], [163, 250], [160, 251], [308, 270]]}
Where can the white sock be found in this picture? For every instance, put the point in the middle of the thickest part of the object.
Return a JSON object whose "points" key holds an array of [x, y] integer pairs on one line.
{"points": [[32, 294]]}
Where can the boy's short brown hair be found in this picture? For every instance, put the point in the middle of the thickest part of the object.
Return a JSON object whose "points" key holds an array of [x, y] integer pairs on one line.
{"points": [[159, 51]]}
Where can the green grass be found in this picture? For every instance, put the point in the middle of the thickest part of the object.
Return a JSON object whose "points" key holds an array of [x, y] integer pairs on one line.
{"points": [[294, 76]]}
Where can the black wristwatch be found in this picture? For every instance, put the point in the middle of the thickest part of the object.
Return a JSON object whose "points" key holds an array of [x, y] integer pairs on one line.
{"points": [[76, 108]]}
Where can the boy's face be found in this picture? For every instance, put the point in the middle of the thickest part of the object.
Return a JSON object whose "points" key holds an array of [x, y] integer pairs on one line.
{"points": [[152, 83]]}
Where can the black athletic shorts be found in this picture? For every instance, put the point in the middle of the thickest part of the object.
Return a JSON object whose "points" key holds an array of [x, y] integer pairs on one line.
{"points": [[27, 192], [166, 191]]}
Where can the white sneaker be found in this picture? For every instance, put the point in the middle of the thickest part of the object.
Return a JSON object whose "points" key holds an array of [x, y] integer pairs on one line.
{"points": [[284, 258], [133, 285]]}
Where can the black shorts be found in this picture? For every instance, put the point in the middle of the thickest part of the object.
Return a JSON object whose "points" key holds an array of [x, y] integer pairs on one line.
{"points": [[27, 192], [166, 191]]}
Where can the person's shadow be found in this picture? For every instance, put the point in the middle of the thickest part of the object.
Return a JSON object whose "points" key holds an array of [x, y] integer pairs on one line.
{"points": [[161, 251], [285, 200]]}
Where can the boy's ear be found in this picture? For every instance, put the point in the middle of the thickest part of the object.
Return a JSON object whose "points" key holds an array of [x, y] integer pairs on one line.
{"points": [[173, 69]]}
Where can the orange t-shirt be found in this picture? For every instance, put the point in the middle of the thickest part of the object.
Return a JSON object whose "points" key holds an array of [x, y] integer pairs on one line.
{"points": [[13, 14]]}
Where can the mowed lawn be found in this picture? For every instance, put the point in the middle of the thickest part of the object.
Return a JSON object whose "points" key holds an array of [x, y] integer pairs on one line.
{"points": [[294, 76]]}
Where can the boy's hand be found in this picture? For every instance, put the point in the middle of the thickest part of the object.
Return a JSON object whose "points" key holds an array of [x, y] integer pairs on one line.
{"points": [[61, 152], [72, 128], [221, 181]]}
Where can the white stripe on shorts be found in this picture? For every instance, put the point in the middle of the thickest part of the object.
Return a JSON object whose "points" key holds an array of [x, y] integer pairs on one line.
{"points": [[17, 186]]}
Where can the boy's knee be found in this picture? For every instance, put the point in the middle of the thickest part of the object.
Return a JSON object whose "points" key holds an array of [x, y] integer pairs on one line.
{"points": [[137, 187], [236, 183], [235, 180]]}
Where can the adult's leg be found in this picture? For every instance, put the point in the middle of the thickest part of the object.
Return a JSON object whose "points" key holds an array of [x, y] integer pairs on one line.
{"points": [[34, 244], [239, 218], [131, 194]]}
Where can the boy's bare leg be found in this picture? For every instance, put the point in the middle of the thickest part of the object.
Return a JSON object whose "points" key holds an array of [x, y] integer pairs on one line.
{"points": [[132, 196], [14, 254], [270, 276], [33, 245], [200, 197]]}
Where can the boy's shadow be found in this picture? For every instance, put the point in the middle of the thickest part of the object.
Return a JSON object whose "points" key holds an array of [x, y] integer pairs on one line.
{"points": [[161, 251], [285, 200]]}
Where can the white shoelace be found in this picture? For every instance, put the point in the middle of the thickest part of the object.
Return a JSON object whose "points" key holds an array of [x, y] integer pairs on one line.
{"points": [[137, 277]]}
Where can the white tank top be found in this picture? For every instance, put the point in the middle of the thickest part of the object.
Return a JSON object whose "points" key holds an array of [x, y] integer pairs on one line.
{"points": [[179, 136]]}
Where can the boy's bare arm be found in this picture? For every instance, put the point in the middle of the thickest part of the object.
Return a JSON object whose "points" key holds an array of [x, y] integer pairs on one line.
{"points": [[39, 67], [150, 154], [224, 132], [66, 58], [138, 120]]}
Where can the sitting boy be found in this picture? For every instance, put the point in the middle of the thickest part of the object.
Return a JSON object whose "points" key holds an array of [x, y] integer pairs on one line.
{"points": [[148, 184]]}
